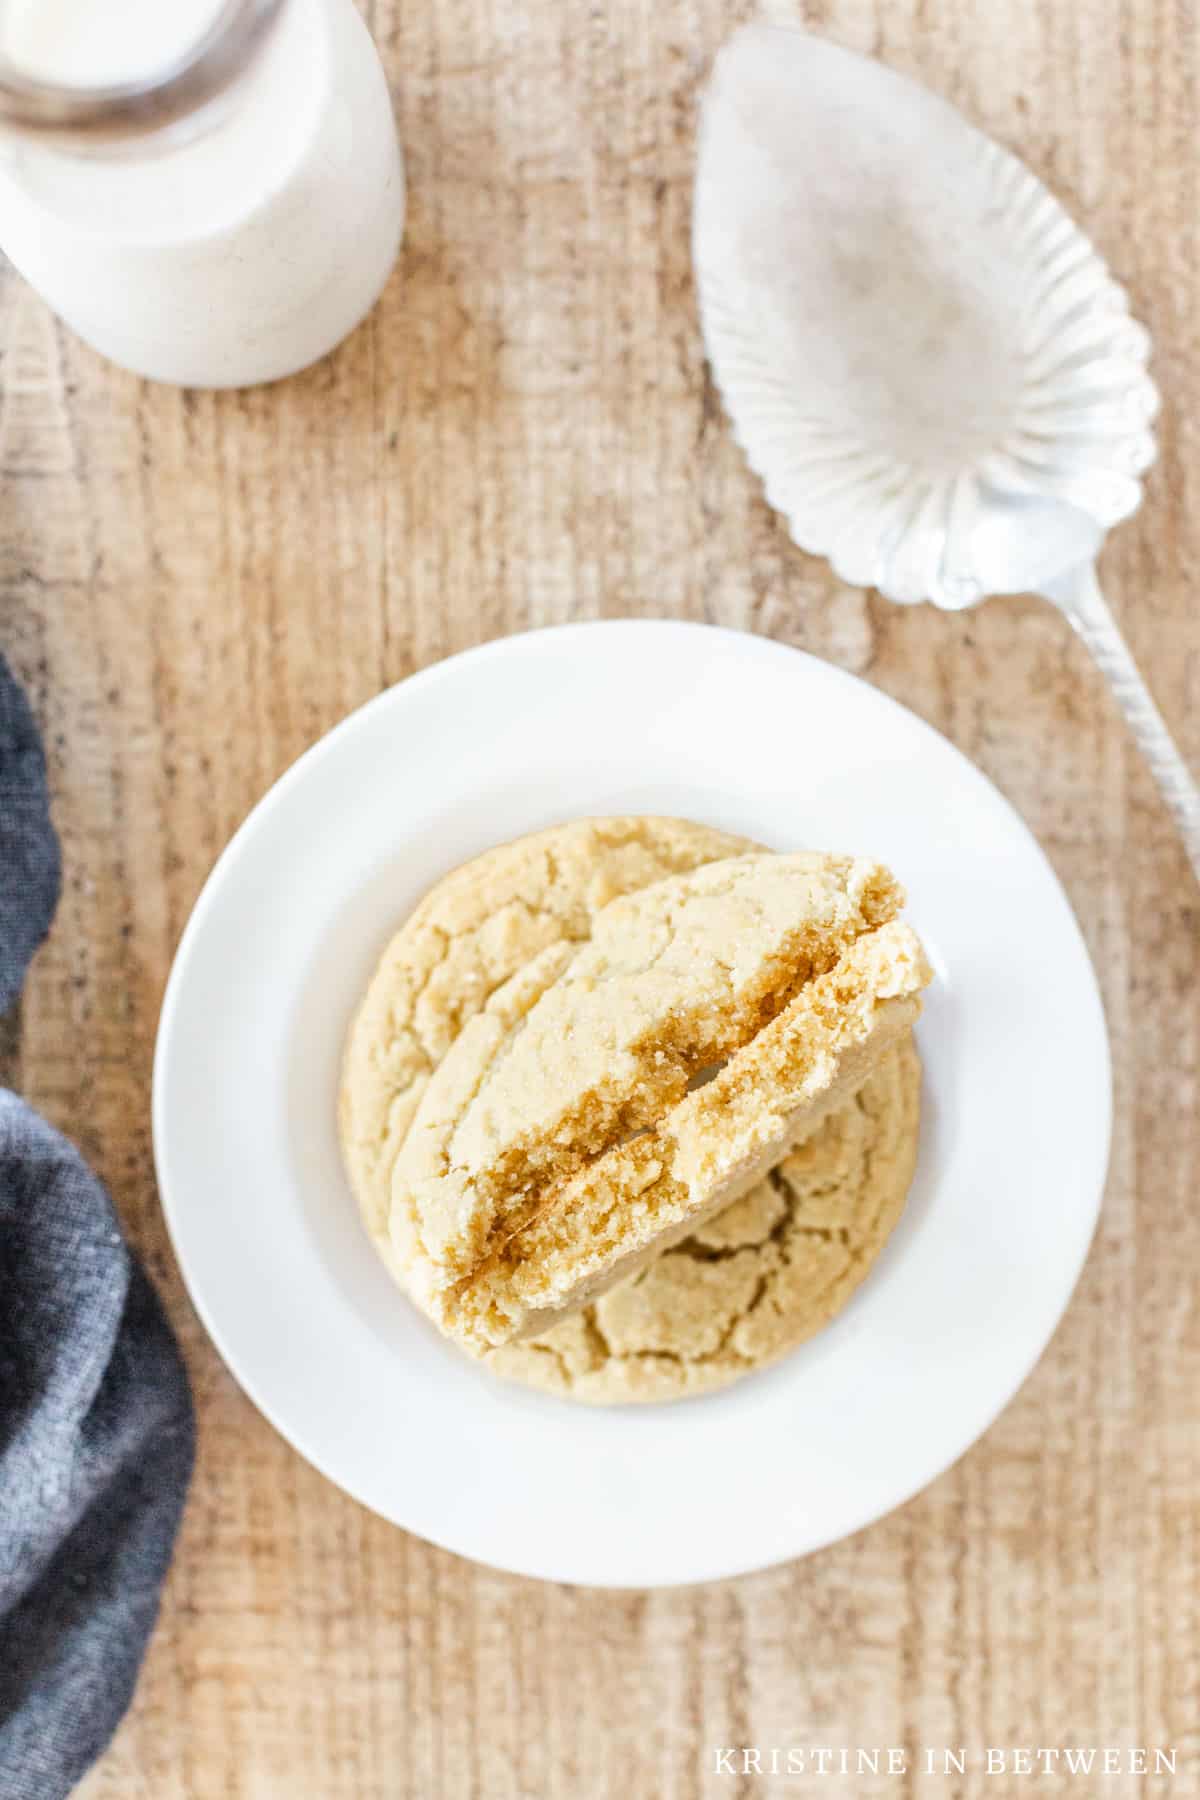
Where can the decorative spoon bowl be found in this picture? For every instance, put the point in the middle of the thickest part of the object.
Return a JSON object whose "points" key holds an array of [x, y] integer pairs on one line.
{"points": [[923, 357]]}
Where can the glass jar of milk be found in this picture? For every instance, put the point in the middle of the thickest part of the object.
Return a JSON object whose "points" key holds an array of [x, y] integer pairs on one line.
{"points": [[210, 192]]}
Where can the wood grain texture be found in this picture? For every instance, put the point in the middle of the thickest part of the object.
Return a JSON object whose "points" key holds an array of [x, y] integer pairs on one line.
{"points": [[194, 587]]}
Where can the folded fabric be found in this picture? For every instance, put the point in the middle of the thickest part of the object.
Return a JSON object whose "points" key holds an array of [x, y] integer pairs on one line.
{"points": [[96, 1430], [95, 1452]]}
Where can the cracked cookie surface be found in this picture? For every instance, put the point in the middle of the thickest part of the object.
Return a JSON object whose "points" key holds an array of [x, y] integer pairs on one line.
{"points": [[756, 1280]]}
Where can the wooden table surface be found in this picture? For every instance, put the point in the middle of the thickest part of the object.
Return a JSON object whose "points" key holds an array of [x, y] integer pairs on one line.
{"points": [[196, 586]]}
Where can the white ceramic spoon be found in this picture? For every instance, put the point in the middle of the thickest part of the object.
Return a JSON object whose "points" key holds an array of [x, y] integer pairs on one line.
{"points": [[924, 359]]}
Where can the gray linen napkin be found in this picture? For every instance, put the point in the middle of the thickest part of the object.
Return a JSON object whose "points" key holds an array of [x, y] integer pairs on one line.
{"points": [[96, 1431]]}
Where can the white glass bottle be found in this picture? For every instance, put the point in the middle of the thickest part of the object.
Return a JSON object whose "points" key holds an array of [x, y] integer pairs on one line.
{"points": [[210, 192]]}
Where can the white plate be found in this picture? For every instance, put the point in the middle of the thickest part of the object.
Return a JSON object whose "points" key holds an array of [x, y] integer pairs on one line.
{"points": [[609, 718]]}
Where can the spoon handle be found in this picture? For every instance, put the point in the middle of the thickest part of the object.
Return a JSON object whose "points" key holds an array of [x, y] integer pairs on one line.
{"points": [[1078, 595]]}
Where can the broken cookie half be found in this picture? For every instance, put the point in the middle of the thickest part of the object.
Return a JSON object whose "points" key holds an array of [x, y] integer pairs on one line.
{"points": [[609, 1099]]}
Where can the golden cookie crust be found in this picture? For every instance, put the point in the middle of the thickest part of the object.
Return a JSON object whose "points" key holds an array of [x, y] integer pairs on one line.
{"points": [[756, 1281]]}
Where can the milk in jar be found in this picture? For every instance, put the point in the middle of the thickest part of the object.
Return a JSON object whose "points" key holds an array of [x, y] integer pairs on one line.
{"points": [[231, 246]]}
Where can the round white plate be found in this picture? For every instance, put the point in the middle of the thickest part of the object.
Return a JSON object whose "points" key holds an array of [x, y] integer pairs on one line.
{"points": [[612, 718]]}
